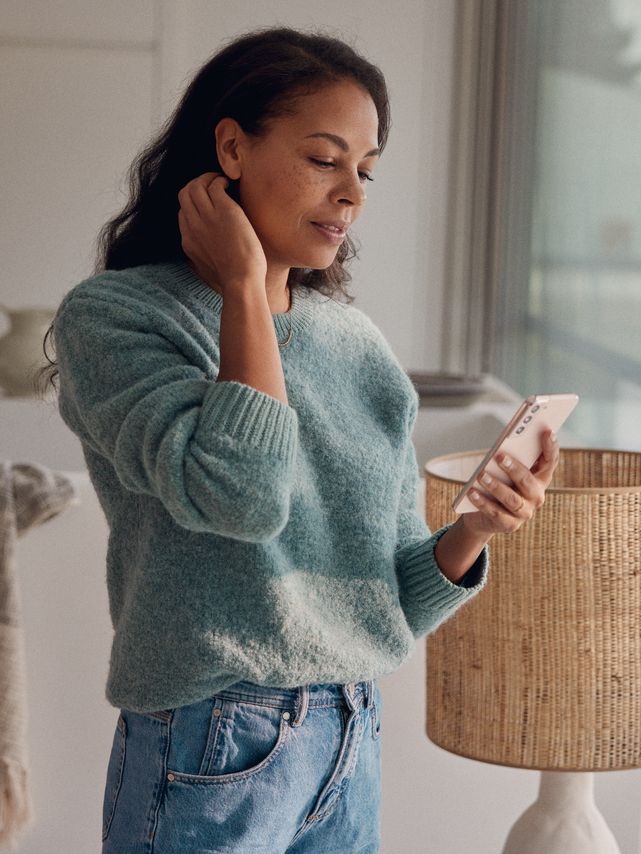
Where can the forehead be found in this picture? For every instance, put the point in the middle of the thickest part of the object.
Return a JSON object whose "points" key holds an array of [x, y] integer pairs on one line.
{"points": [[343, 109]]}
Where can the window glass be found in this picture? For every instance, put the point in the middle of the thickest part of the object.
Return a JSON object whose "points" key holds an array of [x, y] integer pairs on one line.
{"points": [[578, 308]]}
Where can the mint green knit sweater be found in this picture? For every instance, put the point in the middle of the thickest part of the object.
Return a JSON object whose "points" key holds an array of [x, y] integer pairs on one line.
{"points": [[249, 539]]}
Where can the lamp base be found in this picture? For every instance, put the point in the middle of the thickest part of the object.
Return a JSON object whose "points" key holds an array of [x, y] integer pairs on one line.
{"points": [[563, 820]]}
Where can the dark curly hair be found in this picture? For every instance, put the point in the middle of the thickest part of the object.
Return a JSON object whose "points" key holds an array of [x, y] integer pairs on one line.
{"points": [[253, 79]]}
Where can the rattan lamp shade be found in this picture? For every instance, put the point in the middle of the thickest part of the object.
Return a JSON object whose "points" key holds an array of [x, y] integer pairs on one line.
{"points": [[543, 668]]}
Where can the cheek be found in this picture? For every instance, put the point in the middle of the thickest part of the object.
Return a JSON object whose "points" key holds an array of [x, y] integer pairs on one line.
{"points": [[294, 190], [278, 199]]}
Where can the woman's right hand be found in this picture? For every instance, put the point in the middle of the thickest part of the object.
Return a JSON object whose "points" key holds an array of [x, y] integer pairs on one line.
{"points": [[217, 236]]}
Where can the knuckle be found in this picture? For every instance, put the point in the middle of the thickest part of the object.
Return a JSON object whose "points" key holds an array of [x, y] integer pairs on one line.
{"points": [[515, 502], [510, 524], [527, 480]]}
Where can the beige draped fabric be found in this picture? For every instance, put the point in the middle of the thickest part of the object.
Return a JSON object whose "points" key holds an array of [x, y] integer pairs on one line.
{"points": [[30, 494]]}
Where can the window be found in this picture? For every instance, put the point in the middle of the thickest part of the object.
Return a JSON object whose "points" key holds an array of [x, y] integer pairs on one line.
{"points": [[554, 298]]}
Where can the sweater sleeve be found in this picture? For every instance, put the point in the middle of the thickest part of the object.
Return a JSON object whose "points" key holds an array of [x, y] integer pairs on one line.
{"points": [[428, 598], [218, 456]]}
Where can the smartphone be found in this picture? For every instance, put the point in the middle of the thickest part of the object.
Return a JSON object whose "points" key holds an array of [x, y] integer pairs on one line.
{"points": [[521, 439]]}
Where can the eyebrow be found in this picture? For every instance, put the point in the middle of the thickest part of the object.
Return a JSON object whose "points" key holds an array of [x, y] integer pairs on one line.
{"points": [[340, 142]]}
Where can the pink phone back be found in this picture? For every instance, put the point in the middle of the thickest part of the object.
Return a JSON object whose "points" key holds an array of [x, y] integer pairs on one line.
{"points": [[523, 440]]}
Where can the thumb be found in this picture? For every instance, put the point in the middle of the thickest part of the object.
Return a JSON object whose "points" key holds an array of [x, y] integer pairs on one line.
{"points": [[217, 190]]}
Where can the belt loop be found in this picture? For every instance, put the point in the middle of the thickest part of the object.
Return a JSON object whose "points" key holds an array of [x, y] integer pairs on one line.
{"points": [[349, 693], [301, 705], [370, 693]]}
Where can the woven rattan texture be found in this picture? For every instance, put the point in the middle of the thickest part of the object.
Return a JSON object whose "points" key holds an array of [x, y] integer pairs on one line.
{"points": [[543, 668]]}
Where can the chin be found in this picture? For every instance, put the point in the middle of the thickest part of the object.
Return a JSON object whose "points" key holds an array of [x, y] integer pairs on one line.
{"points": [[315, 263], [319, 266]]}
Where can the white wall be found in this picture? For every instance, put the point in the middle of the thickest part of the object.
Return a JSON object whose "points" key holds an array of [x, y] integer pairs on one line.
{"points": [[83, 84], [76, 103]]}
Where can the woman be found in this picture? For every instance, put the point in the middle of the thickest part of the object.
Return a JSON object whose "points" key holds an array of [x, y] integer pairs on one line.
{"points": [[249, 441]]}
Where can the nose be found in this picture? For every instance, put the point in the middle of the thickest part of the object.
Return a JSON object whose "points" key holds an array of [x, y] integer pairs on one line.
{"points": [[350, 191]]}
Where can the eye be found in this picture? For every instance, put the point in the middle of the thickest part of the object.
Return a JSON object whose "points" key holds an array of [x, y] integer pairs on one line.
{"points": [[329, 163]]}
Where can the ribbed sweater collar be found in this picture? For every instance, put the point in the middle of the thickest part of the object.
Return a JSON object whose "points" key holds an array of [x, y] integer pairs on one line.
{"points": [[299, 316]]}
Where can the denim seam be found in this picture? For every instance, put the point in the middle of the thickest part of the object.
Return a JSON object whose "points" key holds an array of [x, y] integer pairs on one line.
{"points": [[373, 718], [161, 786], [162, 715], [255, 701], [330, 784], [121, 725], [208, 760]]}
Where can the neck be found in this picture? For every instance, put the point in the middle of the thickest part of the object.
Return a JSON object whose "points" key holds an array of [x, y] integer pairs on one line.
{"points": [[278, 293]]}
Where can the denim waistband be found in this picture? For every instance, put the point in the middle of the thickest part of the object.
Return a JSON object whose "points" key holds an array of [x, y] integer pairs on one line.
{"points": [[303, 697]]}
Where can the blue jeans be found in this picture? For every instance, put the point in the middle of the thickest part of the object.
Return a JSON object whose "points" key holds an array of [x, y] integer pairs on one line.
{"points": [[249, 770]]}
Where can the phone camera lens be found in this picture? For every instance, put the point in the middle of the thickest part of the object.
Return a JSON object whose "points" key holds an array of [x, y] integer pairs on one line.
{"points": [[520, 429], [527, 420], [535, 409]]}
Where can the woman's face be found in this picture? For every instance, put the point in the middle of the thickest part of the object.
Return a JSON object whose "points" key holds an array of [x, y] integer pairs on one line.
{"points": [[303, 181]]}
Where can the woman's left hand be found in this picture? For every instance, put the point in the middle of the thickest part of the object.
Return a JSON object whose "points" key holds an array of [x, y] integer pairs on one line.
{"points": [[508, 506]]}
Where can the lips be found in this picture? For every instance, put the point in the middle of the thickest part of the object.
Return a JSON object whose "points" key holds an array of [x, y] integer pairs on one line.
{"points": [[333, 233], [338, 228]]}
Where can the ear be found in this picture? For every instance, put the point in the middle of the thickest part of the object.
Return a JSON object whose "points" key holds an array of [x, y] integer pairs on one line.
{"points": [[229, 142]]}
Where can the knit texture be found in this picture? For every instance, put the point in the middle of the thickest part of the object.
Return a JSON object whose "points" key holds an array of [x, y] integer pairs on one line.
{"points": [[30, 494], [249, 539]]}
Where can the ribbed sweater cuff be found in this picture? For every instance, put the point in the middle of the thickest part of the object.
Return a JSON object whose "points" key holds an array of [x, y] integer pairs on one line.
{"points": [[423, 583], [250, 417]]}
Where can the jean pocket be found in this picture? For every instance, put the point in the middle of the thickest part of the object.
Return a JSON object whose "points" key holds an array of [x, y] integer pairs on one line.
{"points": [[244, 739], [114, 775]]}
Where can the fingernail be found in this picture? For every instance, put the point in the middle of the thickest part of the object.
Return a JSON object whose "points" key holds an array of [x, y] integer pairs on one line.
{"points": [[474, 496], [486, 478], [507, 462], [553, 437]]}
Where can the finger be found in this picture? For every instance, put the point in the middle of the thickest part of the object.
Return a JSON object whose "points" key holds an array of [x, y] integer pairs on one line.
{"points": [[548, 459], [203, 180], [206, 196], [513, 501], [188, 216], [195, 192], [217, 190], [202, 199], [497, 518], [550, 445], [195, 214], [550, 452], [524, 481]]}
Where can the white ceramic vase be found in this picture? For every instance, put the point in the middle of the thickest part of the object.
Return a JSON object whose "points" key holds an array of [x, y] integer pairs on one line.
{"points": [[563, 820], [21, 349]]}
